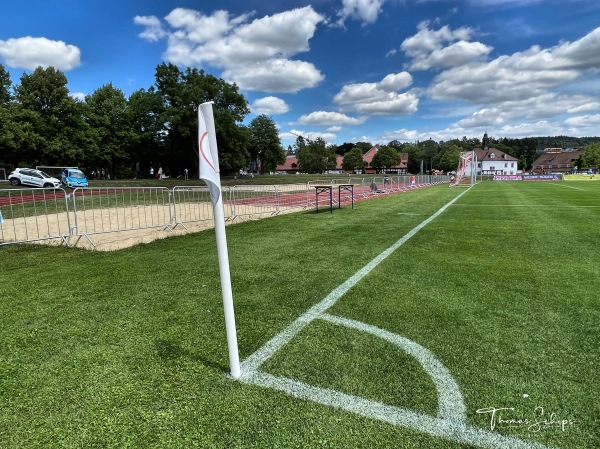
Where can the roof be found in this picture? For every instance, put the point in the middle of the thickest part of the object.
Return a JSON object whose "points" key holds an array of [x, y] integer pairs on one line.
{"points": [[291, 161], [493, 154], [368, 158], [554, 159]]}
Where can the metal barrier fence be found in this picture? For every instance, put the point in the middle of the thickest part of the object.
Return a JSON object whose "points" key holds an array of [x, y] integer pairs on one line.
{"points": [[114, 209], [34, 215]]}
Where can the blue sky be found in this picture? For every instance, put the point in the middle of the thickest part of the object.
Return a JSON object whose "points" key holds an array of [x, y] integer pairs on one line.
{"points": [[344, 70]]}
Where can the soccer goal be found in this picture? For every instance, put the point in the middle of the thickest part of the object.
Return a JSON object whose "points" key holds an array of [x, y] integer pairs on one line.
{"points": [[53, 170], [466, 173]]}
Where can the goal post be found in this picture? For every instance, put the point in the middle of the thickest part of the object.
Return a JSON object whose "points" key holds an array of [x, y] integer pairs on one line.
{"points": [[466, 172]]}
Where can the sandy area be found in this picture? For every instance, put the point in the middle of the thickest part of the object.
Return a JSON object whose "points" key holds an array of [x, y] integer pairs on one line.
{"points": [[111, 229]]}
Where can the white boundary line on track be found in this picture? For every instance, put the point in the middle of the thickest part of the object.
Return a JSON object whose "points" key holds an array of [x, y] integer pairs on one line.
{"points": [[450, 422]]}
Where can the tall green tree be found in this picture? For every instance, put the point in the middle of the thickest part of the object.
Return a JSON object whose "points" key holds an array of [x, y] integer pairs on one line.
{"points": [[591, 157], [265, 145], [429, 154], [449, 156], [5, 87], [385, 158], [353, 160], [317, 157], [181, 94], [56, 117], [111, 121], [146, 108]]}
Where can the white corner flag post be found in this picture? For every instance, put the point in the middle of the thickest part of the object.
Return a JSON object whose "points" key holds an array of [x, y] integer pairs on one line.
{"points": [[209, 172]]}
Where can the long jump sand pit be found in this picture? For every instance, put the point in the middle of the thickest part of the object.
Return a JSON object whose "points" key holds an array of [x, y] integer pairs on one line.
{"points": [[114, 229]]}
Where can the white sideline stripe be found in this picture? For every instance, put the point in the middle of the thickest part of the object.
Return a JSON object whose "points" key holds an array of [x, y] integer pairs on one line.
{"points": [[457, 431], [537, 206], [562, 185], [450, 401], [253, 362]]}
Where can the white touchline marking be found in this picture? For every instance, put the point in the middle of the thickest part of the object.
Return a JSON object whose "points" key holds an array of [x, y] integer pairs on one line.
{"points": [[451, 420], [562, 185]]}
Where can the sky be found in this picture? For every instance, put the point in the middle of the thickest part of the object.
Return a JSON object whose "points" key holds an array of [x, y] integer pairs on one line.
{"points": [[344, 70]]}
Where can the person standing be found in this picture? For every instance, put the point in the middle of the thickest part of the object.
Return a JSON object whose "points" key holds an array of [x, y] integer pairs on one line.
{"points": [[185, 173], [160, 173], [151, 172]]}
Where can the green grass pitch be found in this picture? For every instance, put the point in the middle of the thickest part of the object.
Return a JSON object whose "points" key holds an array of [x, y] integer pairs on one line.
{"points": [[128, 349]]}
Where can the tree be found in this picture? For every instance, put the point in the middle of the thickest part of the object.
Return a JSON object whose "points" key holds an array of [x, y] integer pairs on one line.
{"points": [[429, 154], [57, 119], [385, 158], [449, 157], [316, 156], [110, 118], [364, 146], [591, 157], [181, 94], [146, 108], [344, 148], [265, 145], [353, 160], [5, 87]]}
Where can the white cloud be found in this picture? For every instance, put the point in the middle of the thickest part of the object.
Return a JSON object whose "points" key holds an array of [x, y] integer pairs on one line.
{"points": [[329, 119], [366, 11], [428, 48], [395, 81], [32, 52], [78, 96], [153, 31], [379, 98], [269, 106], [584, 120], [276, 75], [255, 55], [294, 133], [523, 76]]}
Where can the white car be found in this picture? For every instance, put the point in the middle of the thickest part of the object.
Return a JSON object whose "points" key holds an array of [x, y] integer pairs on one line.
{"points": [[32, 177]]}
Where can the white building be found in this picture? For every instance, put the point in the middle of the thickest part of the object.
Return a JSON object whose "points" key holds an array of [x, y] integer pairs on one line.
{"points": [[492, 161]]}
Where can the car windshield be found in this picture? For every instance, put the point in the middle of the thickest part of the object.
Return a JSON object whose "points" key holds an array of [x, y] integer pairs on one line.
{"points": [[45, 175], [76, 174]]}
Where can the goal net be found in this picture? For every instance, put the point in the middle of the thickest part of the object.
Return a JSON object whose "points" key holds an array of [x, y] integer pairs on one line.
{"points": [[466, 173], [52, 170]]}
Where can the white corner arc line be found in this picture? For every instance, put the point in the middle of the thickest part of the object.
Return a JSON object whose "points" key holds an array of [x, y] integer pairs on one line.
{"points": [[253, 362], [441, 428], [450, 401]]}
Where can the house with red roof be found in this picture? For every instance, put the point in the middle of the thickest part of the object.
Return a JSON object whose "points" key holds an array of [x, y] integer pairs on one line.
{"points": [[492, 161], [292, 166], [556, 160]]}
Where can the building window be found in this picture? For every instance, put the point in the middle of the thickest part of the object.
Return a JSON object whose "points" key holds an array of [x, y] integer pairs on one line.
{"points": [[492, 156]]}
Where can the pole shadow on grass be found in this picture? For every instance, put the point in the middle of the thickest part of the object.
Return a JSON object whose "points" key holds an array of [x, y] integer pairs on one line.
{"points": [[167, 350]]}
